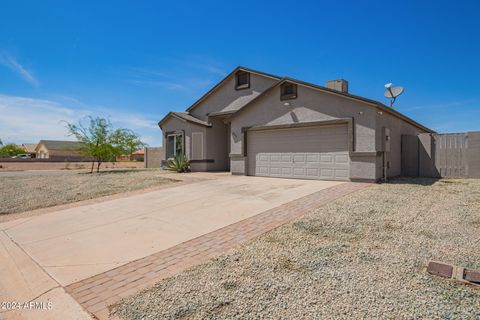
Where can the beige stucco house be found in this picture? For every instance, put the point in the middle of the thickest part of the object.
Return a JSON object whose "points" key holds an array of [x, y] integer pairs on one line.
{"points": [[51, 149], [258, 124]]}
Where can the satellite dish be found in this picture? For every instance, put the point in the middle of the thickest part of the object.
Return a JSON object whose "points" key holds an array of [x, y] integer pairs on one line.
{"points": [[392, 92]]}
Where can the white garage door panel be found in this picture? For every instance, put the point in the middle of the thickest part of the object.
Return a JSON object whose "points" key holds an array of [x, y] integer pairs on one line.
{"points": [[306, 153]]}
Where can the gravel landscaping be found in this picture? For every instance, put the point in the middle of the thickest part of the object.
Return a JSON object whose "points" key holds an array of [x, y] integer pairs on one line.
{"points": [[40, 190], [362, 256]]}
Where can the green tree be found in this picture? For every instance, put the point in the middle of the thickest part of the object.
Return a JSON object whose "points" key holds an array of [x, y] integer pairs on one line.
{"points": [[129, 140], [101, 141], [11, 150]]}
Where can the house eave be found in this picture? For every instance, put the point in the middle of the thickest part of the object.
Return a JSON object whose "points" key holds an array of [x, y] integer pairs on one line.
{"points": [[221, 113], [373, 103], [172, 114]]}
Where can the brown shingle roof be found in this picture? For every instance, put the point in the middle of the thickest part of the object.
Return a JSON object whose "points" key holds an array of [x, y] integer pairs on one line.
{"points": [[29, 147], [186, 117], [60, 145]]}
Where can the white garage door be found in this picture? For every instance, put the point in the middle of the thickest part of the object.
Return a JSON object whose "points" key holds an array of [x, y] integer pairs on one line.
{"points": [[304, 153]]}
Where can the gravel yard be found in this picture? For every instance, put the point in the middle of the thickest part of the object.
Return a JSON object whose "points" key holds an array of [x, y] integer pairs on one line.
{"points": [[362, 256], [27, 192]]}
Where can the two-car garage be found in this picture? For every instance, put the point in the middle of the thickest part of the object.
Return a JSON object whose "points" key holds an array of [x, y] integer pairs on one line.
{"points": [[314, 152]]}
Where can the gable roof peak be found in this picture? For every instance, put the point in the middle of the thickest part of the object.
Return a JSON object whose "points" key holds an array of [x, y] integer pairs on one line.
{"points": [[261, 73], [185, 116]]}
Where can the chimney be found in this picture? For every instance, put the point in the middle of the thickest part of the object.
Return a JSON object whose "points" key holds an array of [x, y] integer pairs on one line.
{"points": [[338, 85]]}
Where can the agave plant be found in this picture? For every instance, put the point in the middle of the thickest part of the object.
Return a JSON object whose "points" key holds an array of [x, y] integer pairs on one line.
{"points": [[179, 164]]}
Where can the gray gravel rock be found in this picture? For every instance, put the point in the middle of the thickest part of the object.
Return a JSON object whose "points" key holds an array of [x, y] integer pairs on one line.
{"points": [[362, 256], [40, 190]]}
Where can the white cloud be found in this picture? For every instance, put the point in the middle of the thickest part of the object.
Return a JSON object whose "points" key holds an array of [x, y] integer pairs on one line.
{"points": [[443, 105], [26, 119], [213, 69], [144, 72], [11, 63], [151, 78], [187, 74], [202, 63], [169, 85]]}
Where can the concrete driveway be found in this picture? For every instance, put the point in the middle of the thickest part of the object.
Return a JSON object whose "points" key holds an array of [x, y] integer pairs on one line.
{"points": [[66, 246]]}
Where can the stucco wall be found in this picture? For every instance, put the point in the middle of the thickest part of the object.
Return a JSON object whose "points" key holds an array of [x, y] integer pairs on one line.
{"points": [[217, 145], [310, 105], [42, 152], [64, 153], [153, 157], [238, 165], [365, 167], [226, 98], [397, 128]]}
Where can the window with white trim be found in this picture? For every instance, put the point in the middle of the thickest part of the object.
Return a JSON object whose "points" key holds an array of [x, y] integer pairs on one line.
{"points": [[175, 145]]}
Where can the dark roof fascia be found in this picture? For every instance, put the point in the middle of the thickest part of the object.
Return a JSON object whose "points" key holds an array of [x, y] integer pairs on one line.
{"points": [[261, 73], [240, 68], [173, 114], [403, 117], [371, 102], [316, 86], [221, 113]]}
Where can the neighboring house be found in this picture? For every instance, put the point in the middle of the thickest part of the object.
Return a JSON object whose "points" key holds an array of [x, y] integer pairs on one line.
{"points": [[53, 149], [138, 155], [257, 124], [135, 156], [29, 149]]}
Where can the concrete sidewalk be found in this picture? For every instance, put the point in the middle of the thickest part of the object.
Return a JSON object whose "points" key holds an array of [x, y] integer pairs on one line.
{"points": [[23, 281]]}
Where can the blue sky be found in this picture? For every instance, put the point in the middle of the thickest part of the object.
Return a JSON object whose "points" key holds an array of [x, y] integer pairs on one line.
{"points": [[134, 61]]}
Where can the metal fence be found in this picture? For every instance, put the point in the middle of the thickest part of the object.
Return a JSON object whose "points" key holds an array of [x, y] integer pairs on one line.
{"points": [[454, 155]]}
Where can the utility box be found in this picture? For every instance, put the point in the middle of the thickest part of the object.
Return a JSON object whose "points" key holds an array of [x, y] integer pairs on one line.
{"points": [[386, 138]]}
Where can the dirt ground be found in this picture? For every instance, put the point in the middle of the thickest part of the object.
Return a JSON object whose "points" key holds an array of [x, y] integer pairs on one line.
{"points": [[27, 192], [27, 165], [363, 256]]}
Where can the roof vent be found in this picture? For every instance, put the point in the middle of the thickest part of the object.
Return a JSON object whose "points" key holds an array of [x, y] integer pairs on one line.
{"points": [[338, 85]]}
